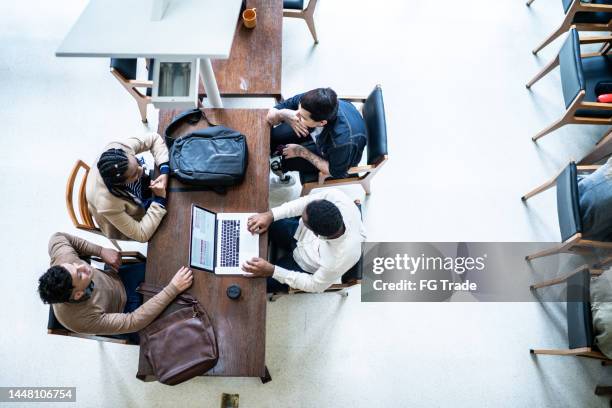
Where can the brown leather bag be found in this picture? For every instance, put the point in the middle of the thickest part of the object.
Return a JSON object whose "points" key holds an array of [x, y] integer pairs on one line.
{"points": [[179, 345]]}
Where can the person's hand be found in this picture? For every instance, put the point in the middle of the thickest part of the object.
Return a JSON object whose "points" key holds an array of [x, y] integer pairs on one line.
{"points": [[291, 150], [111, 258], [258, 268], [323, 176], [259, 223], [183, 279], [296, 124], [160, 182], [158, 186]]}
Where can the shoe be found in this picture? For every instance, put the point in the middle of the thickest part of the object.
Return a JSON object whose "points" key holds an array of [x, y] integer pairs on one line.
{"points": [[286, 181]]}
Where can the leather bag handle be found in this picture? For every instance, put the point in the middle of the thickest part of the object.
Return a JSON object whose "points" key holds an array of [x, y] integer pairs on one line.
{"points": [[152, 290]]}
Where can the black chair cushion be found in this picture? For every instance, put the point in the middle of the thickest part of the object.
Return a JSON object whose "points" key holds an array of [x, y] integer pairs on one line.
{"points": [[356, 272], [595, 71], [568, 206], [125, 66], [53, 323], [376, 125], [586, 17], [579, 74], [293, 4], [579, 319]]}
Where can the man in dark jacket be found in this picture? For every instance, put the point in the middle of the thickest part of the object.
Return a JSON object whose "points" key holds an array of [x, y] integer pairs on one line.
{"points": [[317, 133]]}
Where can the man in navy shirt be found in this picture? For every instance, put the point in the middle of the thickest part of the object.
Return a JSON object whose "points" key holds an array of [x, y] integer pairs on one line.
{"points": [[317, 133]]}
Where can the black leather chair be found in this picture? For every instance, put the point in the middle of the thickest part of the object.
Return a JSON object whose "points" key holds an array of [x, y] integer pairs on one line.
{"points": [[580, 74], [580, 332], [55, 327], [295, 9], [373, 112], [352, 277], [568, 211], [124, 69], [594, 15]]}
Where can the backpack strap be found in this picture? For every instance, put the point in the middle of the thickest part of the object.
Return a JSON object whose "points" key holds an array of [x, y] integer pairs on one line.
{"points": [[192, 116]]}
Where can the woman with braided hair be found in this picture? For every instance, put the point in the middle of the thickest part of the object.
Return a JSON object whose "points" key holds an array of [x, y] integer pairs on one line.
{"points": [[121, 196]]}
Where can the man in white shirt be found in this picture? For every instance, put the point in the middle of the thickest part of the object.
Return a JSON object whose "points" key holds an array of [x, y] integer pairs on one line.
{"points": [[322, 232]]}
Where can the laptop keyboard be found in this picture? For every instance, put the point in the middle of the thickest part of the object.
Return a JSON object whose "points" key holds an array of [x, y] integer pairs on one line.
{"points": [[230, 242]]}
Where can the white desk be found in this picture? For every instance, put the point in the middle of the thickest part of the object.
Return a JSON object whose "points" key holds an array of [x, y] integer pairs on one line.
{"points": [[189, 28]]}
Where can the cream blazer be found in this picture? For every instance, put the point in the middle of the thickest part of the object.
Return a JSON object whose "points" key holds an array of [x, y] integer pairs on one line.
{"points": [[117, 217]]}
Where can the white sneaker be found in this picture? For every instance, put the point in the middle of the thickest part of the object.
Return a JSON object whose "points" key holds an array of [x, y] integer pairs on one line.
{"points": [[278, 182]]}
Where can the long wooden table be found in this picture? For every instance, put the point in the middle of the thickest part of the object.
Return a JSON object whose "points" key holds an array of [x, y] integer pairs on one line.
{"points": [[240, 325], [254, 66]]}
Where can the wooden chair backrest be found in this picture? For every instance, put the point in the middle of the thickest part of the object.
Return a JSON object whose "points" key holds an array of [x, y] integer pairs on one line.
{"points": [[86, 221]]}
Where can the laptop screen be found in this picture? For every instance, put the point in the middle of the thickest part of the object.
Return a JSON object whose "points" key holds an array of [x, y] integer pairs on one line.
{"points": [[202, 254]]}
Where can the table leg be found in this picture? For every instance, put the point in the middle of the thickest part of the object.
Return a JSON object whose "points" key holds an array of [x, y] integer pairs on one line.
{"points": [[267, 377], [210, 83]]}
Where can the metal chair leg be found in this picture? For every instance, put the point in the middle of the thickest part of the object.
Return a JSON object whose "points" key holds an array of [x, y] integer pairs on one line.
{"points": [[267, 377]]}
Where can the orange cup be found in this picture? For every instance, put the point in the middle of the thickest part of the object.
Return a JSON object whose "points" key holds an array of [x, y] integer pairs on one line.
{"points": [[249, 18]]}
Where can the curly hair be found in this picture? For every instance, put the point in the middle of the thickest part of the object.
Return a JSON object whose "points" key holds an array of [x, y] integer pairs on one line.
{"points": [[324, 218], [55, 286]]}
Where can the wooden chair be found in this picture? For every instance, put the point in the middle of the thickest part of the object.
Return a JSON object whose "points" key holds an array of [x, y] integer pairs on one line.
{"points": [[86, 222], [55, 327], [295, 9], [568, 210], [580, 74], [592, 16], [124, 69], [351, 278], [373, 111], [580, 332]]}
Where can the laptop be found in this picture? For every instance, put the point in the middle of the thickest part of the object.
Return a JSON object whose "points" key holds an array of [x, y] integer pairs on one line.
{"points": [[220, 243]]}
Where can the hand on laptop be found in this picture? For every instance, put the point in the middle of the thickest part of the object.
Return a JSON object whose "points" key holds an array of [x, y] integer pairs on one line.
{"points": [[183, 279], [258, 268], [111, 258], [259, 223]]}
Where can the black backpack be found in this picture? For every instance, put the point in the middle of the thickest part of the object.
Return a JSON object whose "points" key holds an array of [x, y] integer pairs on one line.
{"points": [[214, 157]]}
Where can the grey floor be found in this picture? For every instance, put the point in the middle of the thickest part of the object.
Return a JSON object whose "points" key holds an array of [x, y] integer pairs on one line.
{"points": [[459, 122]]}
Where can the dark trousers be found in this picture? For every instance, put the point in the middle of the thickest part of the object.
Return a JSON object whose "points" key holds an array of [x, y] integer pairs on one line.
{"points": [[281, 235], [132, 275], [283, 134]]}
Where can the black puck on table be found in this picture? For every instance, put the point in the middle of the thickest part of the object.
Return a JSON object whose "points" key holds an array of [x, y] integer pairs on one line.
{"points": [[233, 292]]}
